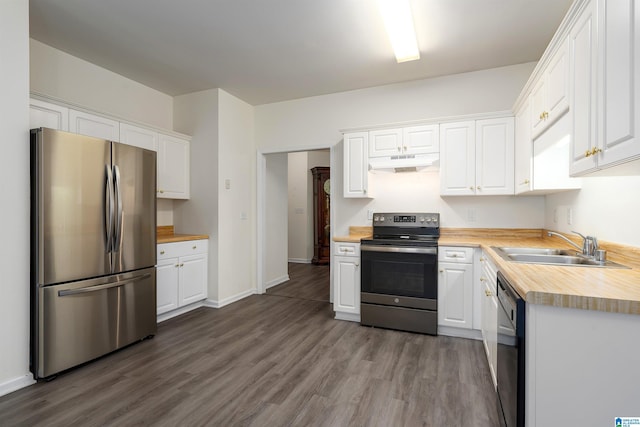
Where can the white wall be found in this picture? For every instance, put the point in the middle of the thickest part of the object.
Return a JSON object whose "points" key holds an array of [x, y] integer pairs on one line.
{"points": [[276, 191], [60, 75], [300, 182], [14, 175], [237, 205], [606, 207], [197, 114], [316, 122], [164, 212]]}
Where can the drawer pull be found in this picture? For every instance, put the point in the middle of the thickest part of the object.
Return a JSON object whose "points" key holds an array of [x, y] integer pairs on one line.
{"points": [[194, 247], [161, 252]]}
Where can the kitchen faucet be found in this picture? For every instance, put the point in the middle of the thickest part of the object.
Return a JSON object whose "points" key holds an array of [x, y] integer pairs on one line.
{"points": [[589, 243]]}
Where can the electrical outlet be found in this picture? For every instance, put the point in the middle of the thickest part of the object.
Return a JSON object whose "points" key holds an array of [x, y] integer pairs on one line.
{"points": [[227, 184], [569, 216], [370, 214], [471, 215]]}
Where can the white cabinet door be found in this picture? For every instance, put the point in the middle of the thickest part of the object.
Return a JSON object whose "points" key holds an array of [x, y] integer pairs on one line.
{"points": [[494, 156], [457, 158], [619, 54], [421, 139], [48, 115], [385, 142], [490, 328], [167, 285], [346, 280], [138, 137], [92, 125], [173, 167], [193, 278], [583, 66], [455, 295], [523, 149], [557, 85], [550, 95], [356, 168]]}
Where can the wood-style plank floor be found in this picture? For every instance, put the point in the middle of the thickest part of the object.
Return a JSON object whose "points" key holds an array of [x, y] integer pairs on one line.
{"points": [[269, 360], [306, 281]]}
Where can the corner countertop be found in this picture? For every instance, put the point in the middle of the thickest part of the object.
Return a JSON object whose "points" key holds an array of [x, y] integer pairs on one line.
{"points": [[165, 234], [588, 288]]}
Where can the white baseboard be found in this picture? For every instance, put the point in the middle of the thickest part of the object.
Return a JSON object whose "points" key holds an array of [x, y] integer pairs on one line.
{"points": [[178, 311], [276, 281], [16, 384], [219, 304], [347, 316], [459, 332], [300, 260]]}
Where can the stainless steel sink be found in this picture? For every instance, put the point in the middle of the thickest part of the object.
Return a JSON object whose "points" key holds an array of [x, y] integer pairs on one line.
{"points": [[551, 256]]}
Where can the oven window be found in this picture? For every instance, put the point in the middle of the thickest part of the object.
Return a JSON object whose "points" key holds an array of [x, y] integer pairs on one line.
{"points": [[411, 275]]}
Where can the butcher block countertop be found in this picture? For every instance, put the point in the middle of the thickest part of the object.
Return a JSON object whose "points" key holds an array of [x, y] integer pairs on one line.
{"points": [[590, 288], [165, 234]]}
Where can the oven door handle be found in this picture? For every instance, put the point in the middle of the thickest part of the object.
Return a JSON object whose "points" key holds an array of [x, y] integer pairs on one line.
{"points": [[396, 249]]}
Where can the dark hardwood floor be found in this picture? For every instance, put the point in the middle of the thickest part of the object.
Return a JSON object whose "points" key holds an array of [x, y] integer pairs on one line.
{"points": [[269, 360], [306, 281]]}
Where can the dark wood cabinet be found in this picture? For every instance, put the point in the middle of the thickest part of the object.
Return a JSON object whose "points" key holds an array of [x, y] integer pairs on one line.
{"points": [[321, 225]]}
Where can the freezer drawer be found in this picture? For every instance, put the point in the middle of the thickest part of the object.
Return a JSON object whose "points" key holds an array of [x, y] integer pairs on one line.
{"points": [[81, 321]]}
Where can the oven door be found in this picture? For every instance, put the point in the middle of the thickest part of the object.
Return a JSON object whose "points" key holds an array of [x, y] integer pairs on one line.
{"points": [[400, 270]]}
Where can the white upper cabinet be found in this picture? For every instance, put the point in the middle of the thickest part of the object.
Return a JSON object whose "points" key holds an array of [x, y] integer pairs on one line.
{"points": [[92, 125], [48, 115], [476, 158], [409, 140], [550, 95], [494, 156], [138, 137], [173, 167], [356, 167], [605, 69], [386, 142], [619, 92], [421, 139], [583, 45], [458, 159], [523, 149]]}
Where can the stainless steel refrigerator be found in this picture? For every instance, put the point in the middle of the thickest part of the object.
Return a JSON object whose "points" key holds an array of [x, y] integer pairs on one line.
{"points": [[93, 248]]}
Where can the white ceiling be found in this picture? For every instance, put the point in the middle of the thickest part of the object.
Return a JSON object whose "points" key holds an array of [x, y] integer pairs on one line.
{"points": [[265, 51]]}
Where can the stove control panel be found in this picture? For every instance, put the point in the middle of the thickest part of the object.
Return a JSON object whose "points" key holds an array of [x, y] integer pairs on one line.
{"points": [[406, 219]]}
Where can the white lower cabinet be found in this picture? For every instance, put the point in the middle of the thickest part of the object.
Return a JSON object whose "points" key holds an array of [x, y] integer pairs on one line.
{"points": [[455, 287], [181, 274], [489, 308], [346, 281]]}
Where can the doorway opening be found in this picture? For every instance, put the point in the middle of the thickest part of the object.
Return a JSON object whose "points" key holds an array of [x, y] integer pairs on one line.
{"points": [[294, 224]]}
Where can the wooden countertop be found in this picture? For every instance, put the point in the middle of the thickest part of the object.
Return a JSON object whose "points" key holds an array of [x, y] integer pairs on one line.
{"points": [[165, 234], [356, 233], [589, 288]]}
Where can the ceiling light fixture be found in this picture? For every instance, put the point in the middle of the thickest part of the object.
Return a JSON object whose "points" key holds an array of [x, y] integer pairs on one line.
{"points": [[399, 23]]}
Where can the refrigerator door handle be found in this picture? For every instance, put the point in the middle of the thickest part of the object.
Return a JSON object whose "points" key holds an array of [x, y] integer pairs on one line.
{"points": [[108, 206], [119, 216], [95, 288]]}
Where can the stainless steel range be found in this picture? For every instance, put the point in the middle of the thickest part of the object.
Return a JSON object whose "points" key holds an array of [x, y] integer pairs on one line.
{"points": [[399, 279]]}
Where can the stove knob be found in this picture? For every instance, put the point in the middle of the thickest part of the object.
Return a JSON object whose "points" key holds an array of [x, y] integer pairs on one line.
{"points": [[428, 219], [434, 220], [375, 218], [382, 218], [421, 219]]}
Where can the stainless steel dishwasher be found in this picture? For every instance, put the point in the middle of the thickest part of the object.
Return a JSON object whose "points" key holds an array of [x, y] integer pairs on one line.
{"points": [[511, 355]]}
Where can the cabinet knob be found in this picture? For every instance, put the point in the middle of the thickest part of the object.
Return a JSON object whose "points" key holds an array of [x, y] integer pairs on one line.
{"points": [[587, 153], [194, 247], [482, 279], [177, 265], [478, 187], [471, 188], [526, 181], [399, 149], [357, 264], [161, 252], [441, 271], [481, 259], [161, 191], [488, 293], [181, 265], [595, 150], [454, 255]]}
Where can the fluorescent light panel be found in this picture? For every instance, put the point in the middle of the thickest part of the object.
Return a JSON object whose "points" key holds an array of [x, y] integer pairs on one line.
{"points": [[399, 23]]}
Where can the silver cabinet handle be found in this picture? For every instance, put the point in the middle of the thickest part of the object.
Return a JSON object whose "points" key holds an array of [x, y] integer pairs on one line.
{"points": [[102, 287]]}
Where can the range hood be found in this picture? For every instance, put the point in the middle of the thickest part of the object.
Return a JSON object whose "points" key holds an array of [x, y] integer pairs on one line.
{"points": [[405, 163]]}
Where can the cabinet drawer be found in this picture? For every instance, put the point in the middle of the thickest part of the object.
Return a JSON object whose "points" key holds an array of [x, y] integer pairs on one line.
{"points": [[455, 254], [178, 249], [346, 249]]}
